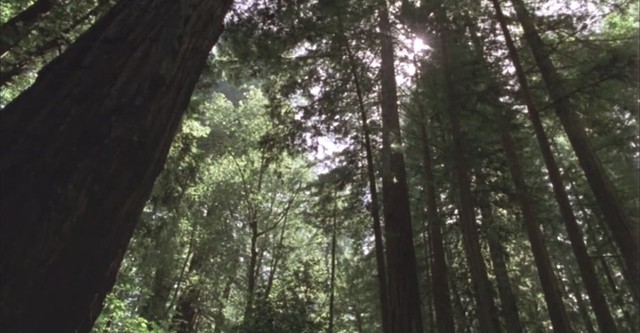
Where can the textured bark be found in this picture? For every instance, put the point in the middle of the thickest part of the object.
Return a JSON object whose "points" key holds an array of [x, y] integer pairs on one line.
{"points": [[624, 231], [81, 150], [509, 305], [552, 295], [439, 270], [587, 270], [373, 193], [404, 296], [19, 26], [487, 312]]}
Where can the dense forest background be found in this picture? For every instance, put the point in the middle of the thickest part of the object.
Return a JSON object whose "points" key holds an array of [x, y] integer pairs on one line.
{"points": [[362, 166]]}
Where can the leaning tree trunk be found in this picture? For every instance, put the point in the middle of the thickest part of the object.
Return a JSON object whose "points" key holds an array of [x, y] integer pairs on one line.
{"points": [[587, 270], [623, 230], [81, 149], [404, 297], [551, 290]]}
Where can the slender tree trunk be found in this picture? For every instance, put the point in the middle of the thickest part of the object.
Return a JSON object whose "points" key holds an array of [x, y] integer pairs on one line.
{"points": [[332, 281], [373, 194], [624, 232], [509, 305], [605, 237], [251, 270], [552, 294], [404, 296], [80, 156], [587, 271], [439, 270], [487, 312], [276, 259], [428, 293], [618, 295], [19, 26]]}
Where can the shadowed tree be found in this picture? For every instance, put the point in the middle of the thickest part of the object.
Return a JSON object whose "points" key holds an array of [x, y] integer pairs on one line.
{"points": [[82, 148], [404, 298]]}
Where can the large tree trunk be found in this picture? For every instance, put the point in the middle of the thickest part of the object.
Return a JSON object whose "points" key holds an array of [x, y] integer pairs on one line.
{"points": [[404, 296], [550, 288], [487, 312], [623, 230], [81, 150], [587, 270]]}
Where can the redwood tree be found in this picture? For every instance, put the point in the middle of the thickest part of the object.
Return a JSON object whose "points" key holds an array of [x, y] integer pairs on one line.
{"points": [[81, 149], [623, 230], [404, 299]]}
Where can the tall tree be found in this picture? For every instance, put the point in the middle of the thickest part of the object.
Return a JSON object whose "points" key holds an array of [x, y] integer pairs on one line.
{"points": [[553, 298], [587, 270], [82, 155], [439, 270], [404, 298], [624, 232], [487, 312], [373, 194]]}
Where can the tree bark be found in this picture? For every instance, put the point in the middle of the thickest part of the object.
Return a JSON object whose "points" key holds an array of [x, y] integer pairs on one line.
{"points": [[624, 232], [404, 295], [81, 150], [487, 312]]}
